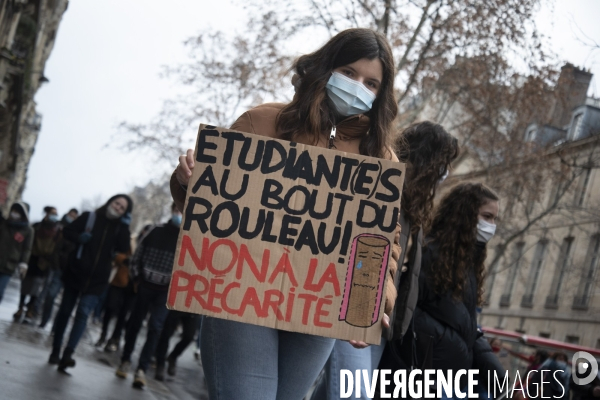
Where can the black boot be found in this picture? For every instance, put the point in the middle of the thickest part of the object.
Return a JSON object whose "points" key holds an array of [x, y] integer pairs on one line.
{"points": [[67, 360], [54, 356]]}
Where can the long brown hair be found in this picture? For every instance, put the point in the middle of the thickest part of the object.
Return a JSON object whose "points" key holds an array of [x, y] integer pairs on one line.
{"points": [[309, 112], [454, 229], [427, 149]]}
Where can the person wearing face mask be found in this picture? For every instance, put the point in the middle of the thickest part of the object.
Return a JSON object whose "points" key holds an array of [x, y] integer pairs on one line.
{"points": [[16, 239], [551, 379], [44, 258], [97, 236], [451, 285], [344, 101], [151, 268], [69, 217]]}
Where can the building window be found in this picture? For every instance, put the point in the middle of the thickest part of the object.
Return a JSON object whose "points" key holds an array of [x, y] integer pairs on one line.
{"points": [[584, 181], [562, 267], [513, 271], [598, 343], [588, 274], [572, 339], [545, 335], [534, 273], [576, 127]]}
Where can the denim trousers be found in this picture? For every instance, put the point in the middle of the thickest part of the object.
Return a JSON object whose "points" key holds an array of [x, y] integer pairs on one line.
{"points": [[4, 279], [53, 286], [147, 300], [243, 361], [344, 356], [86, 304]]}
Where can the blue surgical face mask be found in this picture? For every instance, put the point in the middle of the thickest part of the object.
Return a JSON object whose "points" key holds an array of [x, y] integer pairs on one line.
{"points": [[53, 217], [349, 97], [176, 219]]}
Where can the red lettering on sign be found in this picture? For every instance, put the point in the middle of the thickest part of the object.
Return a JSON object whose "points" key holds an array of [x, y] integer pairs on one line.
{"points": [[284, 266]]}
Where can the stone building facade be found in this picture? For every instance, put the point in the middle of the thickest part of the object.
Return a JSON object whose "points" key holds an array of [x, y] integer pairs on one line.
{"points": [[27, 33]]}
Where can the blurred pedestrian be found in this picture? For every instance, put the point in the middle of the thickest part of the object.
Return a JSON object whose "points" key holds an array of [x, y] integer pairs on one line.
{"points": [[99, 235], [44, 258], [344, 101], [151, 267], [119, 301], [189, 324], [16, 239], [69, 217]]}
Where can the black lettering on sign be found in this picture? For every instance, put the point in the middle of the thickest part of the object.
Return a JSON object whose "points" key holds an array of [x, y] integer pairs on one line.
{"points": [[271, 148], [361, 178], [231, 138], [234, 215], [206, 179], [287, 230], [307, 238], [347, 173], [260, 222], [331, 175], [199, 218], [241, 191], [394, 192], [271, 190], [203, 145], [243, 162]]}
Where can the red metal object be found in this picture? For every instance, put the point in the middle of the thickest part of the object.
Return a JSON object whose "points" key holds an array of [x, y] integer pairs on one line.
{"points": [[540, 342]]}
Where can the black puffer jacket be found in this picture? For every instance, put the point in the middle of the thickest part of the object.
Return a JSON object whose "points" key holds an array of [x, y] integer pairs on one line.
{"points": [[89, 274], [450, 325]]}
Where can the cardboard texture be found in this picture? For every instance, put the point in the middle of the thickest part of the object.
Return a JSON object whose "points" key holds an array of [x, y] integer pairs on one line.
{"points": [[287, 236]]}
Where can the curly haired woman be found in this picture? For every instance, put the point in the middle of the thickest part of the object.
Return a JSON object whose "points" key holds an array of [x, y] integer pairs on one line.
{"points": [[451, 282]]}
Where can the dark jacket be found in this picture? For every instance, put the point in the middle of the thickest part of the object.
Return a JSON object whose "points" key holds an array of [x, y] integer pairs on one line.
{"points": [[15, 242], [584, 392], [484, 360], [407, 283], [45, 253], [90, 273], [448, 325], [152, 262]]}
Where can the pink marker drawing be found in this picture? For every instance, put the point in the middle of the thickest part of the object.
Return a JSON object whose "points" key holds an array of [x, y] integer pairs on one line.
{"points": [[365, 280]]}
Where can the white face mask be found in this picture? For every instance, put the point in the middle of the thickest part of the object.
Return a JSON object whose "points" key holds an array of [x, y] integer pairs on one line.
{"points": [[485, 231], [111, 213], [15, 215], [349, 97]]}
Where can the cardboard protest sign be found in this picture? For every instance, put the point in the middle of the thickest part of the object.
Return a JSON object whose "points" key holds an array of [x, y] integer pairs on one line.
{"points": [[285, 235]]}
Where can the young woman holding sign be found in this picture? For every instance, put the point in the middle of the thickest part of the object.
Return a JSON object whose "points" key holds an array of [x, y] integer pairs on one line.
{"points": [[345, 101]]}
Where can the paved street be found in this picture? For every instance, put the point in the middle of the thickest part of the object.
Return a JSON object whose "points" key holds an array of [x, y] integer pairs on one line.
{"points": [[25, 373]]}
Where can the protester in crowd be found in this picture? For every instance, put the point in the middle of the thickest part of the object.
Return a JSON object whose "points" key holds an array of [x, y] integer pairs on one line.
{"points": [[344, 101], [44, 258], [53, 283], [98, 235], [16, 239], [151, 267], [451, 283], [119, 301], [428, 150], [189, 324], [69, 217]]}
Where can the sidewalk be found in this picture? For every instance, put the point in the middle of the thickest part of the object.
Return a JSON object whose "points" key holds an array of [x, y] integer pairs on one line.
{"points": [[26, 374]]}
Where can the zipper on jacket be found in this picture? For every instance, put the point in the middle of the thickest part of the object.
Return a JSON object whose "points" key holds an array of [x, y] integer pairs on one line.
{"points": [[96, 260], [332, 137]]}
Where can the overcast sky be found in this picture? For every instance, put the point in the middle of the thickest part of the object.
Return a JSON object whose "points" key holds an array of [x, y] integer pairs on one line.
{"points": [[105, 69]]}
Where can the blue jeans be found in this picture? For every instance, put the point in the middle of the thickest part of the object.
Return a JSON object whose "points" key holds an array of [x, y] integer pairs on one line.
{"points": [[53, 286], [344, 356], [243, 361], [87, 302], [4, 279], [154, 301]]}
